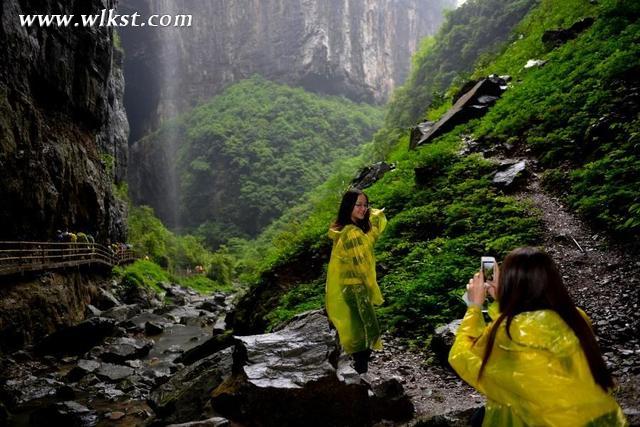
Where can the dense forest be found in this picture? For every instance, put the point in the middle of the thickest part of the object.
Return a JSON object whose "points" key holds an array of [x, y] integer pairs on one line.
{"points": [[254, 150]]}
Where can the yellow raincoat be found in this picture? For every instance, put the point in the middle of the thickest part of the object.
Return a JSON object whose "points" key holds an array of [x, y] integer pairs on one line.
{"points": [[541, 377], [351, 289]]}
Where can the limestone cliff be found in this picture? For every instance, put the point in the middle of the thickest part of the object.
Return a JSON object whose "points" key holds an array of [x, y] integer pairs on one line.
{"points": [[357, 48], [63, 130]]}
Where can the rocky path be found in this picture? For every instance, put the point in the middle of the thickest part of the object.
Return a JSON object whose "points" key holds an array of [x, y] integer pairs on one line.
{"points": [[603, 278]]}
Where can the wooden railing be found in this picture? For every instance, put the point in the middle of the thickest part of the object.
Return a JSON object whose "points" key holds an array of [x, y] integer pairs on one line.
{"points": [[17, 257]]}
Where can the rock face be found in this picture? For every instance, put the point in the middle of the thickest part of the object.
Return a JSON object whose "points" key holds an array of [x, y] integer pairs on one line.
{"points": [[473, 103], [63, 130], [356, 48], [300, 363], [31, 309]]}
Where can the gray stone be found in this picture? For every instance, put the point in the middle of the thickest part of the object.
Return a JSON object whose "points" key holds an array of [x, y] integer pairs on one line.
{"points": [[293, 364], [119, 350], [106, 300], [23, 392], [122, 313], [82, 368], [513, 176], [370, 174], [443, 339], [185, 395], [474, 103], [112, 372]]}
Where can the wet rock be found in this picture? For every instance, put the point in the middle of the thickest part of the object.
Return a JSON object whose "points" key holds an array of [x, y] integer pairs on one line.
{"points": [[184, 396], [153, 328], [133, 294], [510, 178], [77, 339], [121, 349], [112, 372], [159, 373], [370, 174], [123, 312], [213, 304], [82, 368], [30, 390], [138, 322], [220, 325], [68, 413], [106, 300], [294, 364], [443, 339], [211, 422], [183, 315], [107, 391], [210, 346]]}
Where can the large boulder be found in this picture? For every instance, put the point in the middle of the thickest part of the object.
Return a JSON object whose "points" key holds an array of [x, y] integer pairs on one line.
{"points": [[370, 174], [184, 396], [510, 175], [473, 104], [294, 364]]}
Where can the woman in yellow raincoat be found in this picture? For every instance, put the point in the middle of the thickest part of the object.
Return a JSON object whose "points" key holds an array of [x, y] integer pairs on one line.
{"points": [[352, 290], [538, 362]]}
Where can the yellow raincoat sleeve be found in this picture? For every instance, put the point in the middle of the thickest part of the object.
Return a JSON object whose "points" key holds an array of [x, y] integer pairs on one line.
{"points": [[539, 376], [378, 223]]}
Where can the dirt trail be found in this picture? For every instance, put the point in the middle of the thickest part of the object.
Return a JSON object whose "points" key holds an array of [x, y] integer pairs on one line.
{"points": [[604, 280]]}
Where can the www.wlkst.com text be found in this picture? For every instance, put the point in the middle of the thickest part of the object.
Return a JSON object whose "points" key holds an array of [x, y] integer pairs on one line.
{"points": [[106, 18]]}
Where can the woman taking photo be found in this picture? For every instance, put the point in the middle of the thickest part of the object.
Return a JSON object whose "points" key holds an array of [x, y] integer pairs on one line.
{"points": [[352, 290], [538, 362]]}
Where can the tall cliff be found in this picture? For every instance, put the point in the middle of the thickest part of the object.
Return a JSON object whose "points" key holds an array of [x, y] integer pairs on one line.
{"points": [[357, 48], [63, 130]]}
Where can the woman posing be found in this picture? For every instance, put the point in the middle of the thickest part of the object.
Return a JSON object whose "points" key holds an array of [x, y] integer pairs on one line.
{"points": [[538, 362], [352, 290]]}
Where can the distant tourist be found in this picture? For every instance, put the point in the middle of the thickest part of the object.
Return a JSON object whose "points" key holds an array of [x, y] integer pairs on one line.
{"points": [[352, 290], [538, 362]]}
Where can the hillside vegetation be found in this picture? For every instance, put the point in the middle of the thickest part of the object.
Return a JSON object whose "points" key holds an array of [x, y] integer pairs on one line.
{"points": [[255, 149], [576, 115]]}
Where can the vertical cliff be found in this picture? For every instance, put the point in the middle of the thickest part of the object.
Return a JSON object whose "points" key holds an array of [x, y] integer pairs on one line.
{"points": [[63, 130], [357, 48]]}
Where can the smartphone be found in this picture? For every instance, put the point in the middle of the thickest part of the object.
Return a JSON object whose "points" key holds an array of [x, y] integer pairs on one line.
{"points": [[487, 264]]}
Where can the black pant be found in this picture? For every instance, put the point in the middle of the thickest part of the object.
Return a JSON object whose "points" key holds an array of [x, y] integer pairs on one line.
{"points": [[361, 359]]}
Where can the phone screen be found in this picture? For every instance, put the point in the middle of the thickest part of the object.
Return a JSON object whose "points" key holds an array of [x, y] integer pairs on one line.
{"points": [[487, 270]]}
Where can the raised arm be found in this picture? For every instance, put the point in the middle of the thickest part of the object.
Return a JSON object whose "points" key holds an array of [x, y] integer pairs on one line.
{"points": [[378, 222]]}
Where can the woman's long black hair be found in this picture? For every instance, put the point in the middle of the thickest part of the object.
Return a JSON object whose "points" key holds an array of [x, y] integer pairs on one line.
{"points": [[529, 280], [349, 200]]}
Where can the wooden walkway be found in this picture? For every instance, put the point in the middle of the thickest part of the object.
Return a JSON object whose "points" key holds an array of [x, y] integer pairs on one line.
{"points": [[18, 257]]}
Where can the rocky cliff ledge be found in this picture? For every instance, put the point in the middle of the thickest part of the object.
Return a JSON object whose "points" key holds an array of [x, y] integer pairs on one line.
{"points": [[63, 130], [357, 48]]}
